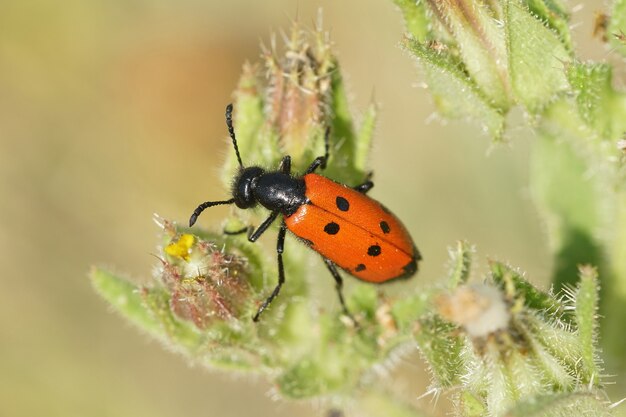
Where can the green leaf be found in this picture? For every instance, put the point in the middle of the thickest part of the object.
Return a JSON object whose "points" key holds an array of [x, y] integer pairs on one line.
{"points": [[407, 310], [536, 56], [586, 300], [364, 138], [181, 335], [233, 359], [415, 18], [441, 349], [558, 348], [460, 263], [514, 284], [385, 404], [569, 200], [555, 17], [148, 309], [363, 300], [481, 45], [600, 106], [471, 405], [332, 363], [126, 299], [455, 94], [526, 378], [617, 27], [613, 296], [548, 359], [560, 404], [500, 391], [342, 166]]}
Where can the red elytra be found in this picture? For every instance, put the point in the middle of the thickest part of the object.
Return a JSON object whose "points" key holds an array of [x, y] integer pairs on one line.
{"points": [[354, 231], [345, 226]]}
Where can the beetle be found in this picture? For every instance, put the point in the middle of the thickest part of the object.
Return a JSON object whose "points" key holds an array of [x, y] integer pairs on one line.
{"points": [[345, 226]]}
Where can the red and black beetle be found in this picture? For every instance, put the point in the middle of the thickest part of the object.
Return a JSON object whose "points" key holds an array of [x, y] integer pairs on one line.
{"points": [[345, 226]]}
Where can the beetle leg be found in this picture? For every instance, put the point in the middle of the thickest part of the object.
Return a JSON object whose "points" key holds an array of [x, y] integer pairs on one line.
{"points": [[367, 185], [320, 161], [338, 286], [280, 243], [252, 237], [238, 231], [285, 165]]}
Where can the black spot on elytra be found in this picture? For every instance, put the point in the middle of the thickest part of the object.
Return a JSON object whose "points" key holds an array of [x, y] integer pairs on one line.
{"points": [[342, 203], [373, 250], [359, 268], [384, 227], [331, 228]]}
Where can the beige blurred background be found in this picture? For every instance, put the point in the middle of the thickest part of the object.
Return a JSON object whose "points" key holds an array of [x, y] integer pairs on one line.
{"points": [[111, 111]]}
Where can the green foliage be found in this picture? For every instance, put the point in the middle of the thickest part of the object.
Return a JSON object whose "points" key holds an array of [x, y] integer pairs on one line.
{"points": [[208, 286], [415, 17], [289, 111], [441, 349], [124, 296], [479, 68], [499, 345], [599, 105], [455, 95], [513, 282], [506, 341], [577, 171], [202, 299], [586, 306], [536, 57], [617, 26], [558, 405]]}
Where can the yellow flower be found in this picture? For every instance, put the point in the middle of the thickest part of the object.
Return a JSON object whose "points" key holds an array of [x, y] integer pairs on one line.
{"points": [[182, 247]]}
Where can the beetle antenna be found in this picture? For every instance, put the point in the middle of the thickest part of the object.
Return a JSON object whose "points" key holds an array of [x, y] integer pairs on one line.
{"points": [[204, 206], [231, 131]]}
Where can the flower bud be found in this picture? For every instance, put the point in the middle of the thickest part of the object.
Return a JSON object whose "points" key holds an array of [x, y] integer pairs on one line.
{"points": [[480, 309], [205, 283]]}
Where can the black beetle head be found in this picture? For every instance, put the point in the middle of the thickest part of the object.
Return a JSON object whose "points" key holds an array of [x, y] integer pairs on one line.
{"points": [[244, 185]]}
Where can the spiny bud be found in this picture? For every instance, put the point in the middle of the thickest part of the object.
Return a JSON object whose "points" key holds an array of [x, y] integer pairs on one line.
{"points": [[299, 87], [506, 346], [481, 43], [205, 283], [288, 102], [480, 309], [480, 60]]}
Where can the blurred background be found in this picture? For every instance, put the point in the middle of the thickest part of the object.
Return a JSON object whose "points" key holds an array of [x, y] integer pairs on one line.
{"points": [[112, 111]]}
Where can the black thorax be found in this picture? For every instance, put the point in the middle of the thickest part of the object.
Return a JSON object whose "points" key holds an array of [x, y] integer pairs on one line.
{"points": [[275, 190]]}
